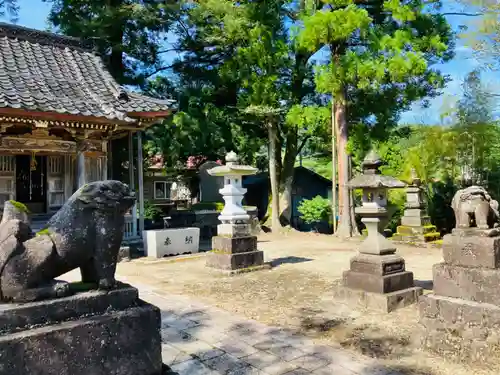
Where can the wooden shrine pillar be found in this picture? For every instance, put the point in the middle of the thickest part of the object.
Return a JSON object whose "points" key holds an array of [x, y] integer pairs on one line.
{"points": [[80, 169], [140, 172], [132, 180]]}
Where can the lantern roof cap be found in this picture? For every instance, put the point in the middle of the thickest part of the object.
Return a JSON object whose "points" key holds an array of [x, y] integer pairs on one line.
{"points": [[371, 178], [372, 160], [232, 167]]}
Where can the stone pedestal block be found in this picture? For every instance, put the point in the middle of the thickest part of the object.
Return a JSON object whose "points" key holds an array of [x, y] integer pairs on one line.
{"points": [[234, 230], [234, 244], [471, 251], [474, 284], [460, 330], [378, 284], [235, 254], [377, 265], [95, 332], [375, 301], [239, 262], [410, 221]]}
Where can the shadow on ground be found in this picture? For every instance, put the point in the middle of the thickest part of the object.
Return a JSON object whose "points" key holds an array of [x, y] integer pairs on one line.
{"points": [[244, 347], [289, 260], [396, 370], [312, 323], [425, 284], [365, 339]]}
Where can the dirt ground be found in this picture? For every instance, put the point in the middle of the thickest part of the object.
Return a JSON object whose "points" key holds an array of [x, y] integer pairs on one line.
{"points": [[297, 293]]}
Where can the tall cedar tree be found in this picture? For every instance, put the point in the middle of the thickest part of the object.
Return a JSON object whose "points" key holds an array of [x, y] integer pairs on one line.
{"points": [[380, 54]]}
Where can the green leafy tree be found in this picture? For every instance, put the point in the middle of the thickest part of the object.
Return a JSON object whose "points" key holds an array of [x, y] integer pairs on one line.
{"points": [[9, 8], [239, 63], [475, 129], [130, 34], [380, 53], [208, 87]]}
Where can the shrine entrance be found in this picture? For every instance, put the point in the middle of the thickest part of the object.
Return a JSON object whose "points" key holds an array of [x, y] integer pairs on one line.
{"points": [[31, 182]]}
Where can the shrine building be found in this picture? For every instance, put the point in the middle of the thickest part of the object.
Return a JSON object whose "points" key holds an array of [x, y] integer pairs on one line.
{"points": [[59, 110]]}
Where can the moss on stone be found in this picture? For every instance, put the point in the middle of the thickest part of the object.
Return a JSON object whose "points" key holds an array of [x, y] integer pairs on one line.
{"points": [[404, 234], [433, 234], [43, 232], [429, 237], [20, 206]]}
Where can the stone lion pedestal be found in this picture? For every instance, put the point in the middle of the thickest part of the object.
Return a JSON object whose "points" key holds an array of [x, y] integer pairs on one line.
{"points": [[94, 332], [50, 327], [461, 319]]}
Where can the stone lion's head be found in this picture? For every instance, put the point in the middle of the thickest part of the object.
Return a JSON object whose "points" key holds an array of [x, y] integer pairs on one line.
{"points": [[106, 195]]}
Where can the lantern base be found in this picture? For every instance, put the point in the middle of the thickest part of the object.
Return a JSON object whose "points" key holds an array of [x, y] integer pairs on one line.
{"points": [[376, 301], [235, 254], [379, 282]]}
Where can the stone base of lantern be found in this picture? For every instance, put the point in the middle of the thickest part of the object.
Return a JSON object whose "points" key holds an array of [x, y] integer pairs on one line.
{"points": [[416, 228], [235, 254], [378, 282], [384, 303]]}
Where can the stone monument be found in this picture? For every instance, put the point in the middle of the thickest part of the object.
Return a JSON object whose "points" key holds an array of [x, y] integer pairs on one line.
{"points": [[377, 278], [415, 225], [53, 327], [234, 249], [461, 319], [209, 184]]}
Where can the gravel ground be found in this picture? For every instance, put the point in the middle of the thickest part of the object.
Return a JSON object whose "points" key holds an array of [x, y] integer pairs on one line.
{"points": [[297, 292]]}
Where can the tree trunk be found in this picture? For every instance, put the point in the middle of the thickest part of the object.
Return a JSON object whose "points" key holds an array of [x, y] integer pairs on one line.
{"points": [[347, 225], [286, 178], [273, 176], [334, 168]]}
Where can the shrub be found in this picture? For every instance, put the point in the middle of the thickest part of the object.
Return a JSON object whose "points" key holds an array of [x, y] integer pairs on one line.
{"points": [[213, 206], [315, 210], [151, 212], [395, 208]]}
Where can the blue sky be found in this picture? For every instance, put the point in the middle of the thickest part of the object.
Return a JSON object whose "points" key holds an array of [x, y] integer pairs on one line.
{"points": [[34, 13]]}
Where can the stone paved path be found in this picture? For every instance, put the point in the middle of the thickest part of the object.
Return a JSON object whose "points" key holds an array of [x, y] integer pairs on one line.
{"points": [[200, 339]]}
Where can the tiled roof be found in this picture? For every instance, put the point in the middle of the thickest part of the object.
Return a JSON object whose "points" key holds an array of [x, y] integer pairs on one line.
{"points": [[41, 71]]}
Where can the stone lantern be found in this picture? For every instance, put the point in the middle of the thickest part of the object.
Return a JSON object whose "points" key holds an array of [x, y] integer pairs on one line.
{"points": [[377, 277], [233, 191], [234, 249], [416, 227]]}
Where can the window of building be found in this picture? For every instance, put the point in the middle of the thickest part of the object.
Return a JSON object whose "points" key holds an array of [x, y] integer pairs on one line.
{"points": [[162, 190]]}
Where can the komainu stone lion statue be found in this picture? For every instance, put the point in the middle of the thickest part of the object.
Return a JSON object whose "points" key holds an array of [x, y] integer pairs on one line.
{"points": [[85, 233], [475, 202]]}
